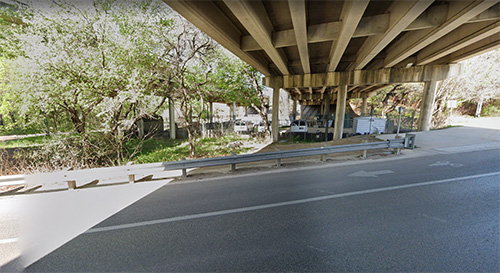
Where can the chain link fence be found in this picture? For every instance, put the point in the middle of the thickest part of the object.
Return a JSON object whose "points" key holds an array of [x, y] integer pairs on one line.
{"points": [[408, 122]]}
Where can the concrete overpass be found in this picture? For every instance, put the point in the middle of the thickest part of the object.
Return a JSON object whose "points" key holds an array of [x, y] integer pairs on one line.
{"points": [[325, 52]]}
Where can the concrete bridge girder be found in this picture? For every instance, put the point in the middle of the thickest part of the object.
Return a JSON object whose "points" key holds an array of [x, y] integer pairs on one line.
{"points": [[310, 89], [282, 39]]}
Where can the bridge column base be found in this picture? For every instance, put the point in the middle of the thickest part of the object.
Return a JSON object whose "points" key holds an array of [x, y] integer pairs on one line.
{"points": [[340, 111], [424, 121], [275, 114]]}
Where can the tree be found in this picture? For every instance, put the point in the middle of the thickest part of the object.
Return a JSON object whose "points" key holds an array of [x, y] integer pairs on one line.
{"points": [[479, 80], [238, 82], [99, 62], [75, 57], [192, 58], [4, 87]]}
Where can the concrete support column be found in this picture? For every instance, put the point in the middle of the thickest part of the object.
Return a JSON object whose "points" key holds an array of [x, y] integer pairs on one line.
{"points": [[275, 114], [327, 111], [171, 113], [424, 121], [340, 112], [234, 110], [364, 105], [211, 116], [140, 128]]}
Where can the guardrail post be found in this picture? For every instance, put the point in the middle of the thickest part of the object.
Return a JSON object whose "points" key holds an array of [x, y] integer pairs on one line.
{"points": [[278, 162], [398, 150], [184, 173], [131, 176], [365, 152], [71, 184], [233, 165]]}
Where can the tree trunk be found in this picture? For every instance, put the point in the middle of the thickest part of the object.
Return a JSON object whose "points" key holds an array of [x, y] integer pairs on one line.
{"points": [[263, 116], [78, 123], [54, 118], [192, 146], [479, 106], [262, 110], [12, 117]]}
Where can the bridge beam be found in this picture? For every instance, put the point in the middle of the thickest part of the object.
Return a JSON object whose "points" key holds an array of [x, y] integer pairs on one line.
{"points": [[368, 77], [253, 16]]}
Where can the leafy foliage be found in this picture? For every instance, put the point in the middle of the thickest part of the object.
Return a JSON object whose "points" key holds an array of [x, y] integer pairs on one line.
{"points": [[97, 67], [236, 81]]}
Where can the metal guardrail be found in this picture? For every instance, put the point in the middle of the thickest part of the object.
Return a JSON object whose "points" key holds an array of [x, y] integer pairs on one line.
{"points": [[145, 170], [11, 180], [238, 159]]}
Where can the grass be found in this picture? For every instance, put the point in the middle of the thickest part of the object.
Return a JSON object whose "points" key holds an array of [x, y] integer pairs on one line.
{"points": [[11, 130], [25, 142], [154, 150]]}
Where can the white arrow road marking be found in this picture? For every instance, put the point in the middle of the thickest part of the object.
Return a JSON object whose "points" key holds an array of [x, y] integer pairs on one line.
{"points": [[440, 163], [370, 174], [445, 163]]}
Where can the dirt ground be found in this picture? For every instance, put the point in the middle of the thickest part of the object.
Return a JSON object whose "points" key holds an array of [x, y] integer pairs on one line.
{"points": [[285, 146], [207, 172]]}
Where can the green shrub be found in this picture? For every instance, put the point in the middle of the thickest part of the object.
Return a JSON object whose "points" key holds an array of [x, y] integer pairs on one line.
{"points": [[491, 109]]}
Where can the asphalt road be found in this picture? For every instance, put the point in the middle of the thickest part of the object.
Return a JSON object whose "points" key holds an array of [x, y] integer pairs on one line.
{"points": [[434, 213]]}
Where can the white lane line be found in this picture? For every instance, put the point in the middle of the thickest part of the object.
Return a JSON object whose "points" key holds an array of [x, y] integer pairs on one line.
{"points": [[433, 218], [8, 241], [281, 204], [316, 248]]}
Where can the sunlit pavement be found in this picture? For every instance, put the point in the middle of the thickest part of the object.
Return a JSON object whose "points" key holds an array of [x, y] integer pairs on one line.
{"points": [[436, 213], [472, 134], [36, 224], [9, 228]]}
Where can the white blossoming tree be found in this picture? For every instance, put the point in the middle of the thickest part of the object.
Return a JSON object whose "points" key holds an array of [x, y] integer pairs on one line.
{"points": [[104, 64]]}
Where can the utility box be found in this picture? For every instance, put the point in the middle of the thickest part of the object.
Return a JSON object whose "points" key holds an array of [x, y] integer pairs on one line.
{"points": [[369, 125], [409, 141]]}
